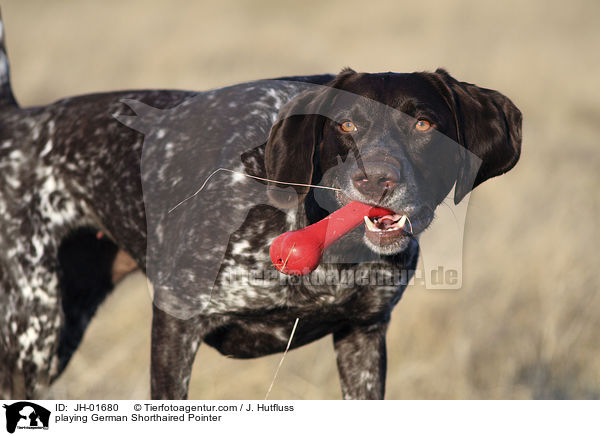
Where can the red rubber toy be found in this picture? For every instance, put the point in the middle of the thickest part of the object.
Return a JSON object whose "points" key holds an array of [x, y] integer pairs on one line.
{"points": [[299, 252]]}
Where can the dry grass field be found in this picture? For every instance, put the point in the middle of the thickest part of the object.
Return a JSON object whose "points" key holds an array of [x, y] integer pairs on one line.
{"points": [[526, 323]]}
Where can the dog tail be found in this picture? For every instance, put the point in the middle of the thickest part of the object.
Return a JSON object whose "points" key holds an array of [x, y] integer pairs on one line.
{"points": [[6, 95]]}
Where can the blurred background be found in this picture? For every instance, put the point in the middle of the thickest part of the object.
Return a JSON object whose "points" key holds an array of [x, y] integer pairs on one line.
{"points": [[526, 323]]}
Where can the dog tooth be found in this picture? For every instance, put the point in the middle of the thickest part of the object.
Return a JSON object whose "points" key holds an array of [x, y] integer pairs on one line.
{"points": [[402, 222], [370, 225]]}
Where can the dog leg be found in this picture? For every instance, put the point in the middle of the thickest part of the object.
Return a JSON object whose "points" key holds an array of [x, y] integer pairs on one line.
{"points": [[361, 360], [85, 264], [174, 346]]}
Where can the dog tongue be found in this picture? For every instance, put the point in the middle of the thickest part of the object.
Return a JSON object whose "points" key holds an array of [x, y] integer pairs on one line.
{"points": [[388, 219]]}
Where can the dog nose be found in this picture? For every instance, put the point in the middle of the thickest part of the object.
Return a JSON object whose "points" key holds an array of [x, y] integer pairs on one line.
{"points": [[374, 180]]}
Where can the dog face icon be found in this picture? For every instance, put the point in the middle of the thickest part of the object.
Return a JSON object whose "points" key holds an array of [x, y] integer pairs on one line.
{"points": [[26, 414]]}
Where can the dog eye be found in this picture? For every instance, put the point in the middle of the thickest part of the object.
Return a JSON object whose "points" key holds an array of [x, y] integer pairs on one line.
{"points": [[423, 125], [348, 126]]}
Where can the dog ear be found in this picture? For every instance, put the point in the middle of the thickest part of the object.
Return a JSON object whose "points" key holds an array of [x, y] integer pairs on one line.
{"points": [[488, 126], [292, 142], [290, 151]]}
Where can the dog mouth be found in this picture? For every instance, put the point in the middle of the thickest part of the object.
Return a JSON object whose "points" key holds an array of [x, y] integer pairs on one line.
{"points": [[388, 234], [387, 229]]}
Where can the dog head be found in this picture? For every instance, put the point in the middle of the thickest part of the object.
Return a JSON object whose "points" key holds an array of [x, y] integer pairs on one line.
{"points": [[399, 141]]}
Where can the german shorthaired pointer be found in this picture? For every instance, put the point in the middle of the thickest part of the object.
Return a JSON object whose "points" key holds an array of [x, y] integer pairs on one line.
{"points": [[399, 141], [84, 199]]}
